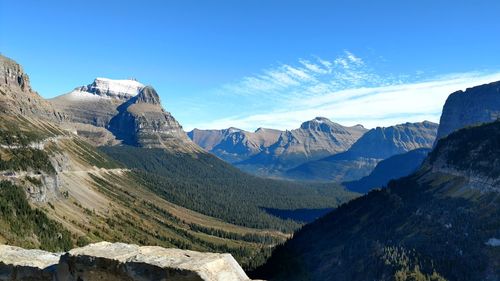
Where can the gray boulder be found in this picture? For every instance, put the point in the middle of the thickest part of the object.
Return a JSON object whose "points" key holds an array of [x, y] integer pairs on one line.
{"points": [[33, 265], [118, 261]]}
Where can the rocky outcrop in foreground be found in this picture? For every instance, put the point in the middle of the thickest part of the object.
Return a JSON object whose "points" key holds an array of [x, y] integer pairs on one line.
{"points": [[117, 261]]}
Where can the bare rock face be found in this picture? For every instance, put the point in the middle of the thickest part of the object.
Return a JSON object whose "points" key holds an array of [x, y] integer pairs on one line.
{"points": [[109, 88], [141, 121], [476, 105], [96, 103], [118, 261], [17, 97], [20, 264]]}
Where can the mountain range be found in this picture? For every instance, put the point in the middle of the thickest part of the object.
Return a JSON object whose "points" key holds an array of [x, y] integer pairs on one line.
{"points": [[107, 162], [439, 223], [270, 152], [234, 145], [373, 147]]}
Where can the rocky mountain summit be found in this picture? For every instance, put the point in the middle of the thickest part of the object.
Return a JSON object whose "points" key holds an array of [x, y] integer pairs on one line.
{"points": [[117, 261], [96, 103], [319, 150], [111, 111], [141, 121], [270, 152], [473, 106], [89, 110], [234, 145], [109, 88], [373, 147], [17, 96], [314, 139]]}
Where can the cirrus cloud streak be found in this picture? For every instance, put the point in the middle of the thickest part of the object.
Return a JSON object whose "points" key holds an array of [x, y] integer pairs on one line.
{"points": [[345, 90]]}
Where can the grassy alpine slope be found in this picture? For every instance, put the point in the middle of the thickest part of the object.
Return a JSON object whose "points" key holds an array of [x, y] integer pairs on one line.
{"points": [[87, 196]]}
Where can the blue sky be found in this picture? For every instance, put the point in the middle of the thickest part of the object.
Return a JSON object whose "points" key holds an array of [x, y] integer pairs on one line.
{"points": [[263, 63]]}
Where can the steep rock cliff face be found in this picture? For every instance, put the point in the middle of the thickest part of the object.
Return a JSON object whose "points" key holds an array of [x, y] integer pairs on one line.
{"points": [[117, 261], [374, 146], [473, 106], [141, 121], [107, 112], [16, 95]]}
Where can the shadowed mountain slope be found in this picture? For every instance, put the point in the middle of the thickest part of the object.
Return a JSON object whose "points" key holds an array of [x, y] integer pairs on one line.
{"points": [[394, 167], [441, 222]]}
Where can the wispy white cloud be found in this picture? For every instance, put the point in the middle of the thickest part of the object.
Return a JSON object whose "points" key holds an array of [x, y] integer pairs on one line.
{"points": [[345, 90], [347, 70]]}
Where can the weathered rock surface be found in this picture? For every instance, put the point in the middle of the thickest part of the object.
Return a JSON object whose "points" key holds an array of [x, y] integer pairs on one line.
{"points": [[20, 264], [118, 261], [480, 104], [93, 104], [16, 95], [141, 121]]}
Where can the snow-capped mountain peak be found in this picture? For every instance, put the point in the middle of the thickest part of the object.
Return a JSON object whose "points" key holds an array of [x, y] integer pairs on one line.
{"points": [[109, 88], [112, 87]]}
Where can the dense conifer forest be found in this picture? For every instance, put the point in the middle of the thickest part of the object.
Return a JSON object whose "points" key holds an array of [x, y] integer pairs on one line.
{"points": [[205, 184]]}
